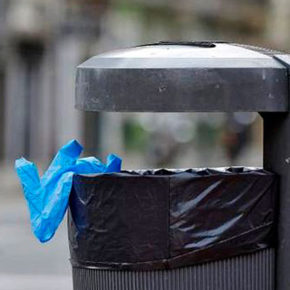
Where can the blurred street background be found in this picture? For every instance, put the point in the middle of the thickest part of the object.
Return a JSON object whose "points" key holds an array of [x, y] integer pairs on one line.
{"points": [[42, 42]]}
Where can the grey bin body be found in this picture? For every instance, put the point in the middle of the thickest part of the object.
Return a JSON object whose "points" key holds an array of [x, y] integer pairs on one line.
{"points": [[199, 77]]}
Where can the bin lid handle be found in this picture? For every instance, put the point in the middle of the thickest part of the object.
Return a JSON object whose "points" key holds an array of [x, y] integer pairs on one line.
{"points": [[205, 44]]}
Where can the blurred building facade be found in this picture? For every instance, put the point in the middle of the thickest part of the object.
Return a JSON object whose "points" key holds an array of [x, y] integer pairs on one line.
{"points": [[41, 42]]}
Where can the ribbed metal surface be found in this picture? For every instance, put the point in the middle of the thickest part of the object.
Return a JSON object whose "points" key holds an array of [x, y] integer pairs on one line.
{"points": [[249, 272]]}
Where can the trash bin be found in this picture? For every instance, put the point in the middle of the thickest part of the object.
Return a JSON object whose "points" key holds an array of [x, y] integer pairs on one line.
{"points": [[191, 229]]}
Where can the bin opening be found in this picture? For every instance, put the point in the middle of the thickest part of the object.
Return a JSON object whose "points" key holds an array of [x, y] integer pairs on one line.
{"points": [[168, 218], [191, 171]]}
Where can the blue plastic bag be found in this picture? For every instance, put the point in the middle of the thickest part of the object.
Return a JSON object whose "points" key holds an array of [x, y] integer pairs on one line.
{"points": [[47, 197]]}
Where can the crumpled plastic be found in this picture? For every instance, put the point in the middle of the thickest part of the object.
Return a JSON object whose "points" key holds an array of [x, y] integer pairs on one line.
{"points": [[163, 219], [47, 197]]}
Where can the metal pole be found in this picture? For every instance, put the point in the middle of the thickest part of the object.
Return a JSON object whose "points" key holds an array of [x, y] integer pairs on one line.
{"points": [[277, 159]]}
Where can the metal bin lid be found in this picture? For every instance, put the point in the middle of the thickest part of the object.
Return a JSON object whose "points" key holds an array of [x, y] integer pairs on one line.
{"points": [[185, 77]]}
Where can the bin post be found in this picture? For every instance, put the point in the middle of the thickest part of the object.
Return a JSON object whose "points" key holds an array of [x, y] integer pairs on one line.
{"points": [[277, 159]]}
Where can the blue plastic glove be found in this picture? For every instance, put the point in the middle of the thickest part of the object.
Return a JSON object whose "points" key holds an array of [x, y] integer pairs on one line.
{"points": [[47, 197]]}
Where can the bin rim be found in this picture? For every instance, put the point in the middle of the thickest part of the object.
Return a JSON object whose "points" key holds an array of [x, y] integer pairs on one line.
{"points": [[195, 172]]}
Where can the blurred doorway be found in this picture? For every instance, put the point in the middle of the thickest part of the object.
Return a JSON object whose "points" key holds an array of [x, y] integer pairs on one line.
{"points": [[1, 112]]}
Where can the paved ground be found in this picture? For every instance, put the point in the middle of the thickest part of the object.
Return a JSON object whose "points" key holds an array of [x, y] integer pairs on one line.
{"points": [[25, 263]]}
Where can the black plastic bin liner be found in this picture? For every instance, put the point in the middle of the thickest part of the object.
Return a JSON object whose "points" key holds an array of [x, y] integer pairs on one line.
{"points": [[162, 219]]}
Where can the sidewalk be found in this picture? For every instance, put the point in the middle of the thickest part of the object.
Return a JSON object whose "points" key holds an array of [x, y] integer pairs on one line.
{"points": [[25, 263]]}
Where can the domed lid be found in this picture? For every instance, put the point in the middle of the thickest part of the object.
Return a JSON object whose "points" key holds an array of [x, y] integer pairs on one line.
{"points": [[184, 77]]}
